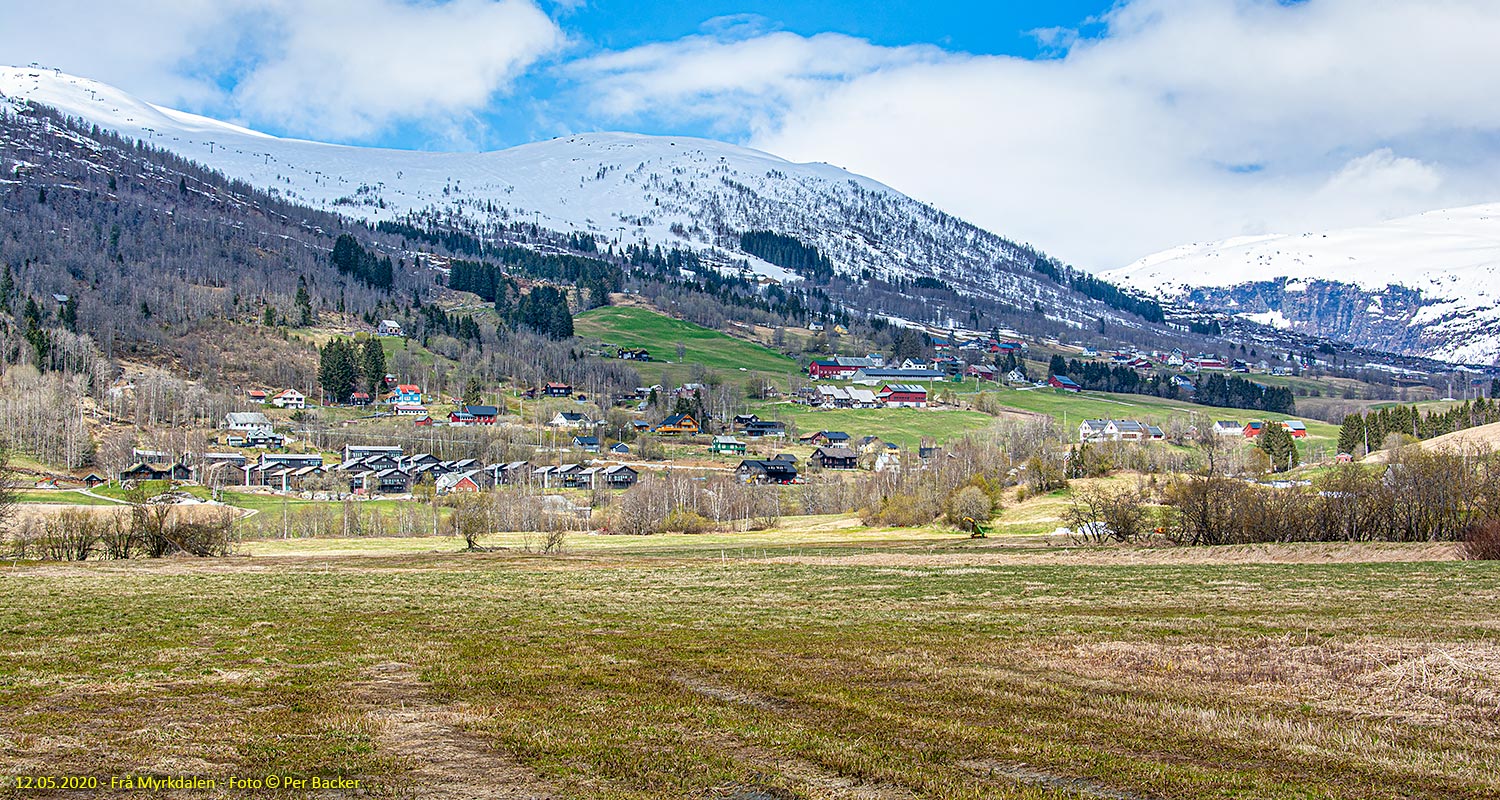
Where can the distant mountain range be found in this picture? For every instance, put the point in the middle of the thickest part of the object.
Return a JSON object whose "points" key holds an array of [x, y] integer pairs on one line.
{"points": [[1425, 285], [667, 190]]}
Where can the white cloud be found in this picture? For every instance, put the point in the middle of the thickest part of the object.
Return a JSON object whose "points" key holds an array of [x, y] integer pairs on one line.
{"points": [[135, 44], [340, 69], [351, 67], [1183, 120], [730, 79]]}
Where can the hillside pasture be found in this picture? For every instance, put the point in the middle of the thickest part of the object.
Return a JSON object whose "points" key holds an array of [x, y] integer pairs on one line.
{"points": [[631, 326], [906, 427], [1075, 408]]}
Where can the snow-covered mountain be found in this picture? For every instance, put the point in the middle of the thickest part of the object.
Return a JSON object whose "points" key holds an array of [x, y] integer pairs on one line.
{"points": [[1423, 285], [668, 190]]}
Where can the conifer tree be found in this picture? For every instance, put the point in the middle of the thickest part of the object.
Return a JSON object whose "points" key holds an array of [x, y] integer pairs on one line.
{"points": [[372, 365], [337, 370], [304, 303], [1278, 444], [1352, 434]]}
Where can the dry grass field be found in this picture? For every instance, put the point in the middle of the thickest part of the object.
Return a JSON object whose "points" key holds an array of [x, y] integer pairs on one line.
{"points": [[822, 660]]}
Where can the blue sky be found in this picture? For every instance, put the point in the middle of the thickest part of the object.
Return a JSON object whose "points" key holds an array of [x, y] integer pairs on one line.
{"points": [[974, 27], [1099, 131], [542, 104]]}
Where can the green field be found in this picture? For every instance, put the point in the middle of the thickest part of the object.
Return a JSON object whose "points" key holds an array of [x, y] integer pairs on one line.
{"points": [[805, 663], [1074, 408], [906, 427], [58, 497], [623, 326]]}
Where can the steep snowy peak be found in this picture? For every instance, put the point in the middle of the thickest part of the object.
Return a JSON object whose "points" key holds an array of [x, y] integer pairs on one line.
{"points": [[1450, 257], [1451, 254], [666, 189]]}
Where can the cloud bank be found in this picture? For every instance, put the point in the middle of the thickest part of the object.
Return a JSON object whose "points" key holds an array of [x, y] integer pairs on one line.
{"points": [[1181, 120], [335, 69]]}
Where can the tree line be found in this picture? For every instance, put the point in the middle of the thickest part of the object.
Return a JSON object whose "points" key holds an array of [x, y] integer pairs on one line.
{"points": [[346, 366], [1361, 433], [788, 252], [1212, 390], [349, 258], [1103, 291]]}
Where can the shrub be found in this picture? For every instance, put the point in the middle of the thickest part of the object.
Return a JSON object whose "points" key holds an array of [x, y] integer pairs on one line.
{"points": [[969, 502], [1482, 542], [899, 511], [685, 520], [69, 536], [1100, 514], [207, 535]]}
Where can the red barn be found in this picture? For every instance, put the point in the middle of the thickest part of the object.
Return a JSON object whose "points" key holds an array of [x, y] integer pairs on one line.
{"points": [[902, 395], [1063, 383], [1254, 429], [829, 369], [983, 372]]}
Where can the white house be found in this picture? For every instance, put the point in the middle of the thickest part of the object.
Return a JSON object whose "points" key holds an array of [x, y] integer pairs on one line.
{"points": [[570, 419], [1126, 430], [388, 327], [248, 421], [1229, 427], [863, 398], [1092, 430], [290, 398]]}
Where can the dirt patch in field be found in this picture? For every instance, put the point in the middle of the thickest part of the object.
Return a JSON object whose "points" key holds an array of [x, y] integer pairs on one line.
{"points": [[1300, 553], [447, 762], [1433, 683], [778, 775], [709, 689], [788, 777], [1026, 775]]}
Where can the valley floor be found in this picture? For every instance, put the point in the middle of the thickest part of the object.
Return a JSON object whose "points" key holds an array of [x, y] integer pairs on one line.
{"points": [[821, 660]]}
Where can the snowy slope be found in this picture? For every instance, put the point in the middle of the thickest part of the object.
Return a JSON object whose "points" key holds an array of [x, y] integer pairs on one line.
{"points": [[1447, 260], [668, 190]]}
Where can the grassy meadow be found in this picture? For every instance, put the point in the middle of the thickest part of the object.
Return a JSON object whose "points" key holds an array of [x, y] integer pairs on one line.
{"points": [[1075, 408], [903, 426], [818, 660], [629, 326]]}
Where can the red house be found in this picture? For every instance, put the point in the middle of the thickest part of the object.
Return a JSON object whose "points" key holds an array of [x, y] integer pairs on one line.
{"points": [[1063, 383], [829, 369], [424, 422], [1254, 429], [983, 372], [483, 415], [1296, 428]]}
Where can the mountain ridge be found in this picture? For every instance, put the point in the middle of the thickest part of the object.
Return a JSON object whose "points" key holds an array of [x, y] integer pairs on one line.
{"points": [[1426, 284], [625, 189]]}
